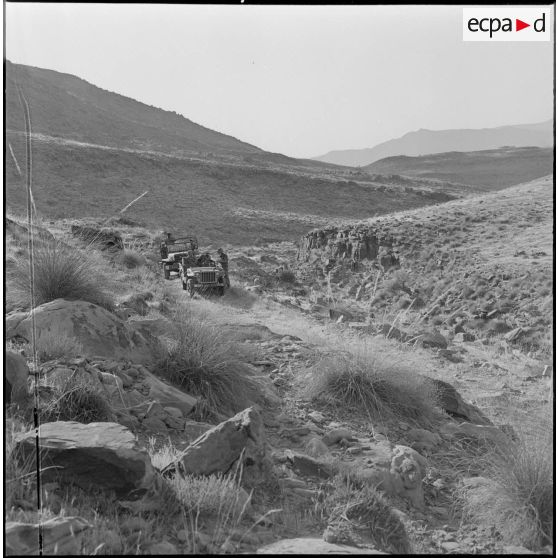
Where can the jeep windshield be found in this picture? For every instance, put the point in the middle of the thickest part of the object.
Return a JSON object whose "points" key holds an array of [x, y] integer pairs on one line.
{"points": [[179, 247]]}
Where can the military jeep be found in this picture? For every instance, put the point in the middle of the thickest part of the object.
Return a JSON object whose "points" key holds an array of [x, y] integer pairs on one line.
{"points": [[172, 252], [202, 275]]}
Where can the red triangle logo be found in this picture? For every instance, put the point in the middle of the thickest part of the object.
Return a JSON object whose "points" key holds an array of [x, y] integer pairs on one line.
{"points": [[519, 25]]}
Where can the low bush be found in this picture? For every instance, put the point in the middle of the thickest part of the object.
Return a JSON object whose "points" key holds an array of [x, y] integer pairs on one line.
{"points": [[59, 272], [76, 399], [518, 500], [362, 381], [203, 361], [130, 259]]}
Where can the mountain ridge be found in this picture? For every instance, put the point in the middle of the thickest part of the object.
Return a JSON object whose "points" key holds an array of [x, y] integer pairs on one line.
{"points": [[427, 142]]}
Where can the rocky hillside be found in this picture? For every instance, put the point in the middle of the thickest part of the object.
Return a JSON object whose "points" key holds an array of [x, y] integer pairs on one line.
{"points": [[480, 267], [426, 142], [177, 425]]}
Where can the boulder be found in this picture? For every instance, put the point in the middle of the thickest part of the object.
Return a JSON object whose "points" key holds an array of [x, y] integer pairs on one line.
{"points": [[452, 403], [309, 466], [338, 313], [433, 339], [307, 545], [99, 331], [61, 535], [217, 449], [102, 455], [167, 395], [16, 373]]}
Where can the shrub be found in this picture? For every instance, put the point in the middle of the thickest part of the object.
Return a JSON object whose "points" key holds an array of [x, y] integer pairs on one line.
{"points": [[130, 258], [60, 272], [76, 399], [360, 380], [286, 276], [203, 361], [519, 499]]}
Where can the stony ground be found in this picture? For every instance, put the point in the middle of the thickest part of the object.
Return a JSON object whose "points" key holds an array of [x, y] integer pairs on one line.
{"points": [[298, 449]]}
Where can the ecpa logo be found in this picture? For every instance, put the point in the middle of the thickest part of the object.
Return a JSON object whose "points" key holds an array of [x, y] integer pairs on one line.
{"points": [[507, 24]]}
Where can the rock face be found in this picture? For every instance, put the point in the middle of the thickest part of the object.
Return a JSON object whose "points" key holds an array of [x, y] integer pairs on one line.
{"points": [[100, 332], [16, 373], [217, 449], [312, 546], [100, 454], [61, 535]]}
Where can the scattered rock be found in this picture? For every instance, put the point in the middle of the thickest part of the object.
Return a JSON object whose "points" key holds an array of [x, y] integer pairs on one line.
{"points": [[423, 440], [336, 435], [101, 454], [309, 466], [317, 417], [391, 332]]}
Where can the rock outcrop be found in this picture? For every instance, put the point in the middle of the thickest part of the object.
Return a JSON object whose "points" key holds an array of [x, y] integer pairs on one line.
{"points": [[100, 332], [101, 455]]}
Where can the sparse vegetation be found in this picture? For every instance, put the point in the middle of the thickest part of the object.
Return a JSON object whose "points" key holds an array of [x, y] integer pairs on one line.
{"points": [[131, 258], [204, 362], [362, 380], [53, 344], [76, 399], [59, 272], [519, 499]]}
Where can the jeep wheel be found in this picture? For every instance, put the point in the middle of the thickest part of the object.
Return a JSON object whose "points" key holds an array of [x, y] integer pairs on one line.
{"points": [[166, 271], [190, 287]]}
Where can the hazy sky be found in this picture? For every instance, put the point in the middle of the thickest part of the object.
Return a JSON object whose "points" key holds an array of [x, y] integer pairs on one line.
{"points": [[299, 80]]}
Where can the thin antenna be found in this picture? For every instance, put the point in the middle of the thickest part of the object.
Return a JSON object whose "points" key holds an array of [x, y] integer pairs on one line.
{"points": [[30, 247]]}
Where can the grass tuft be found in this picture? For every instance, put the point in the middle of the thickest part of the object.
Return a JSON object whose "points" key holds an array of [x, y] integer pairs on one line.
{"points": [[203, 361], [518, 500], [60, 272], [360, 380], [76, 399]]}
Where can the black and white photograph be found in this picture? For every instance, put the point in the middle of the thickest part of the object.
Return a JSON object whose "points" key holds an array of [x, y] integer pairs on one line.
{"points": [[279, 279]]}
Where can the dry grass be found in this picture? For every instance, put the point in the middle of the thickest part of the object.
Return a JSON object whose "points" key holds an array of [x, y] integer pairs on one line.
{"points": [[53, 344], [377, 386], [518, 500], [60, 272], [130, 259], [205, 363], [76, 399]]}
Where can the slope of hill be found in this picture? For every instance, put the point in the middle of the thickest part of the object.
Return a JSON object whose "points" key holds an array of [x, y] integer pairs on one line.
{"points": [[95, 151], [490, 169], [424, 142], [482, 263]]}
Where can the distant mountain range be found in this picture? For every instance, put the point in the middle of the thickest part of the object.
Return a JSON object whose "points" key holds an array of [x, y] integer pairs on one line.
{"points": [[425, 142]]}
